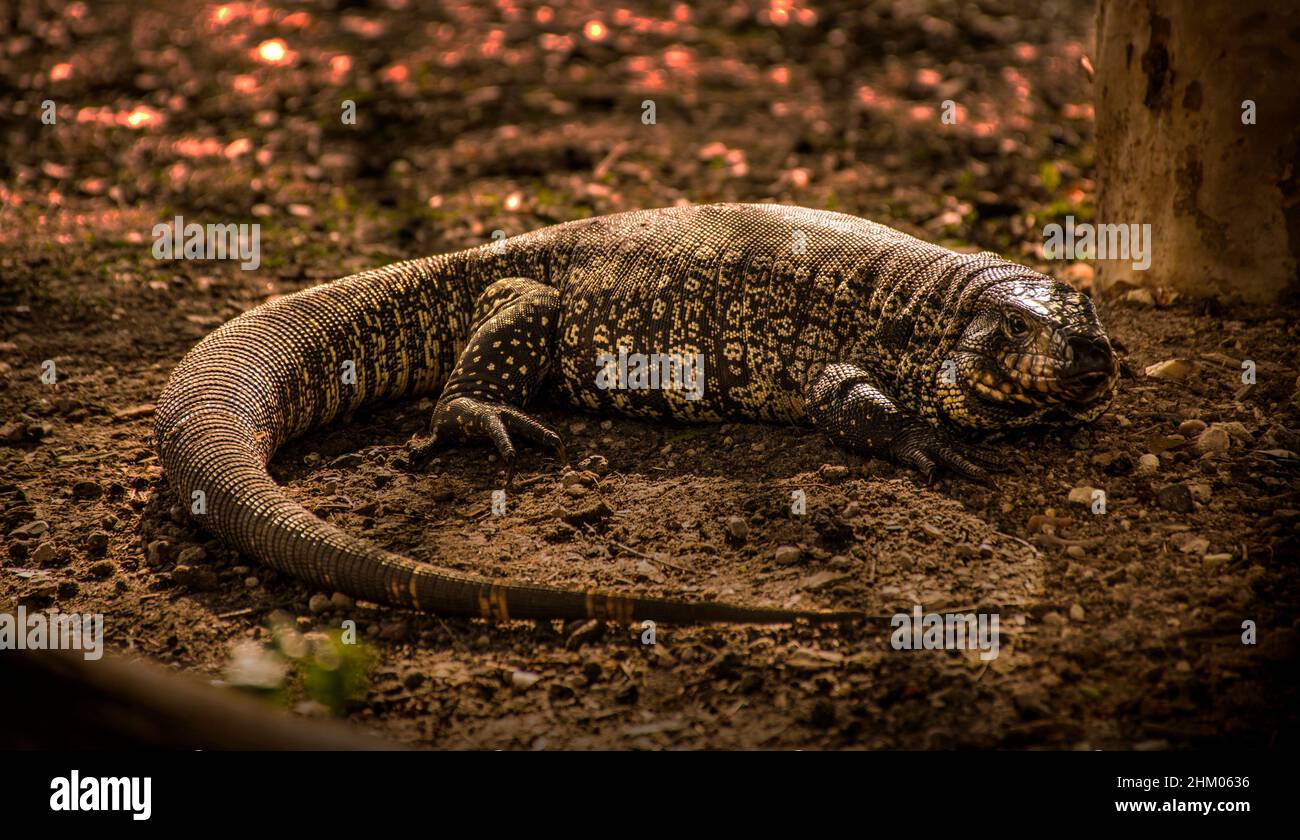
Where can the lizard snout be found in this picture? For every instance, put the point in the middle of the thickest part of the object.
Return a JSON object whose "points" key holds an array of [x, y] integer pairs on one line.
{"points": [[1091, 368]]}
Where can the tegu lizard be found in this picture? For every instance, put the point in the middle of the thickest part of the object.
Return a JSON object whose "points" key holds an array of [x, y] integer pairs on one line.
{"points": [[889, 345]]}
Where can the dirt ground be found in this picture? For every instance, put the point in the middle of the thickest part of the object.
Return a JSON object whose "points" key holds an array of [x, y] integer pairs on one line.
{"points": [[1120, 630]]}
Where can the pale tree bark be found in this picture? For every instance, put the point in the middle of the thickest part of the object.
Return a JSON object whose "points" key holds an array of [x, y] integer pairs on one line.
{"points": [[1174, 81]]}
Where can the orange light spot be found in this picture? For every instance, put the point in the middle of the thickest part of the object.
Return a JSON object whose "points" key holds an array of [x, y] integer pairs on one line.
{"points": [[514, 201], [340, 64], [142, 117], [594, 30], [779, 12], [677, 57], [244, 83], [60, 72], [927, 77], [238, 148], [274, 51]]}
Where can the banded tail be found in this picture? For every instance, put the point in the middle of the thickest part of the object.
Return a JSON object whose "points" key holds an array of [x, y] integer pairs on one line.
{"points": [[280, 369]]}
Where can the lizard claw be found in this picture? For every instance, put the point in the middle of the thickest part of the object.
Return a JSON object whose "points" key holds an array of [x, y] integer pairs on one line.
{"points": [[470, 417], [420, 454], [930, 450]]}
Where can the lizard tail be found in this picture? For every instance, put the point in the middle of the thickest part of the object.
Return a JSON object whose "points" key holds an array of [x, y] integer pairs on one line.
{"points": [[299, 361]]}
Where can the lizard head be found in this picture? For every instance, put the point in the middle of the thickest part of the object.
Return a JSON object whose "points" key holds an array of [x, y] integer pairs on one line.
{"points": [[1032, 352]]}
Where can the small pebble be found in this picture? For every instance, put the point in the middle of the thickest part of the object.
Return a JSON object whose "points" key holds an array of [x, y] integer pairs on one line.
{"points": [[1175, 369], [788, 555], [97, 543], [87, 490], [833, 472], [46, 552], [1213, 440], [1081, 495], [31, 529], [103, 570], [523, 680], [192, 555]]}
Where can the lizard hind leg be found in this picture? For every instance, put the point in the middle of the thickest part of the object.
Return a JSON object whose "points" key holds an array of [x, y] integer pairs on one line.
{"points": [[503, 366]]}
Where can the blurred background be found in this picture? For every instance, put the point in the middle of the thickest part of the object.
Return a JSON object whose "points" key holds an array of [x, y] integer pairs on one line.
{"points": [[474, 116]]}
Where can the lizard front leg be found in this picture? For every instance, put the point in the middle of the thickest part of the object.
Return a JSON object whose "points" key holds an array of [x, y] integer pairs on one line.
{"points": [[845, 402], [501, 369]]}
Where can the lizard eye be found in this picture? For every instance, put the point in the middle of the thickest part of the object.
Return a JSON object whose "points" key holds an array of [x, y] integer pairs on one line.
{"points": [[1015, 326]]}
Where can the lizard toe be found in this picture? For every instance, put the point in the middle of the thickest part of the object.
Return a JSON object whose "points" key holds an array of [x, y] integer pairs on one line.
{"points": [[535, 431]]}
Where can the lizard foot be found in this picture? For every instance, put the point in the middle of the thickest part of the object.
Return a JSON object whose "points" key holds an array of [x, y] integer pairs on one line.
{"points": [[467, 418], [930, 450]]}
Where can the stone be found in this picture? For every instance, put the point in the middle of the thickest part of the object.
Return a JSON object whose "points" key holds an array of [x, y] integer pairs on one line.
{"points": [[788, 555], [1174, 369], [87, 490], [1081, 495], [737, 528], [523, 680], [45, 553], [32, 529], [1176, 498], [1212, 441]]}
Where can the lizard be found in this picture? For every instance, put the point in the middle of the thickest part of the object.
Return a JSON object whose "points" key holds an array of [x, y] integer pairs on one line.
{"points": [[889, 345]]}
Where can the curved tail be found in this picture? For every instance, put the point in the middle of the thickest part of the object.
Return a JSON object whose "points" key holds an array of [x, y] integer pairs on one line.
{"points": [[297, 362]]}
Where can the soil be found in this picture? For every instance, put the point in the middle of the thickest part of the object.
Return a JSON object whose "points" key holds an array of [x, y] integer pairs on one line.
{"points": [[1119, 630]]}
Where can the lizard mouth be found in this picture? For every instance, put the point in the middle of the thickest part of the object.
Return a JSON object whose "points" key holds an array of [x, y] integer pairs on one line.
{"points": [[1030, 380], [1091, 372]]}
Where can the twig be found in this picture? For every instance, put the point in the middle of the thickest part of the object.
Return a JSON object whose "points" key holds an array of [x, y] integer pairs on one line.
{"points": [[1025, 543], [640, 554]]}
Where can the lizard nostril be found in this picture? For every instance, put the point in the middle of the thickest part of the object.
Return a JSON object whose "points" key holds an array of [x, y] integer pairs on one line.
{"points": [[1091, 357], [1091, 370]]}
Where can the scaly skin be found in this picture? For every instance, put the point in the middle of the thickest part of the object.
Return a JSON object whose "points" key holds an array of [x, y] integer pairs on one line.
{"points": [[889, 345]]}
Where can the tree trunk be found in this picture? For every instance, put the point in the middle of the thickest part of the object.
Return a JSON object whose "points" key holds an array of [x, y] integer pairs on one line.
{"points": [[1176, 147]]}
